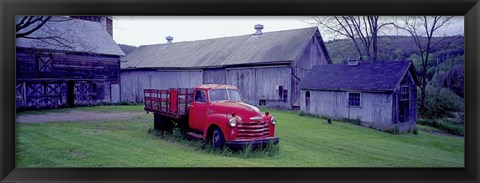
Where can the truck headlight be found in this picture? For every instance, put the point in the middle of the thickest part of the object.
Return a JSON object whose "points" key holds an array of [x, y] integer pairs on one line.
{"points": [[273, 120], [232, 122]]}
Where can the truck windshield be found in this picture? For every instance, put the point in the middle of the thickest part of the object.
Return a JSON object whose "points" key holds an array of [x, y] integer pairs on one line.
{"points": [[224, 95]]}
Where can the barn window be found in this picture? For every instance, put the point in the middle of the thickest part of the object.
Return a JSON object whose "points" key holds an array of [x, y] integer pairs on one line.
{"points": [[200, 96], [405, 93], [354, 99], [262, 102], [280, 91], [45, 63]]}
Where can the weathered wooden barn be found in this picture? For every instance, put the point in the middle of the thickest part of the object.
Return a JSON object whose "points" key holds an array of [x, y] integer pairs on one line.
{"points": [[67, 62], [382, 95], [266, 67]]}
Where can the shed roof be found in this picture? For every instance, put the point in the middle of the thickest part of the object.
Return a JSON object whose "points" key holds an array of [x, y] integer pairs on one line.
{"points": [[267, 48], [72, 35], [377, 76]]}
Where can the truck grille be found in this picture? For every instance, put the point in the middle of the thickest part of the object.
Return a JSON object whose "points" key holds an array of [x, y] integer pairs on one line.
{"points": [[252, 129]]}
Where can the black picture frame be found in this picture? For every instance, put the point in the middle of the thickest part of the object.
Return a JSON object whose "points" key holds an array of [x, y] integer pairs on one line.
{"points": [[468, 8]]}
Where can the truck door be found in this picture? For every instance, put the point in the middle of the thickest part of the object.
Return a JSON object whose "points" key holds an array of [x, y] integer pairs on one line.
{"points": [[198, 110]]}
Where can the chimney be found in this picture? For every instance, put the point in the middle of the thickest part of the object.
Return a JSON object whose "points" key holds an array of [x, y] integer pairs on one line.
{"points": [[169, 39], [258, 29], [352, 62], [107, 24]]}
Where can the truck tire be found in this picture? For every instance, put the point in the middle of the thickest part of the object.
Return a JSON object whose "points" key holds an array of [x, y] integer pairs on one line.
{"points": [[217, 140], [162, 123]]}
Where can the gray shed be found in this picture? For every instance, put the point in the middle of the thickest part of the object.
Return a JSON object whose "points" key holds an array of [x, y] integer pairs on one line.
{"points": [[266, 67], [382, 95]]}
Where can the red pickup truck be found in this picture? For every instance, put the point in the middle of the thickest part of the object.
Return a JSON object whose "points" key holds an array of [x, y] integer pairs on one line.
{"points": [[212, 112]]}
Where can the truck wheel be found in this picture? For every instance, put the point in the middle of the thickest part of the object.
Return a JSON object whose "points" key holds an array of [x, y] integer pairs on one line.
{"points": [[217, 139], [162, 124]]}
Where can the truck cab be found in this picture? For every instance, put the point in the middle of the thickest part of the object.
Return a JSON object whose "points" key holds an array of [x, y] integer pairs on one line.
{"points": [[212, 112]]}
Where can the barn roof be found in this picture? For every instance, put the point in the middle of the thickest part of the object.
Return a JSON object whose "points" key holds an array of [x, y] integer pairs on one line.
{"points": [[71, 35], [267, 48], [377, 76]]}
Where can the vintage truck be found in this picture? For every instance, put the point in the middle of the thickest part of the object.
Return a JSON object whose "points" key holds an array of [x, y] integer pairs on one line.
{"points": [[212, 112]]}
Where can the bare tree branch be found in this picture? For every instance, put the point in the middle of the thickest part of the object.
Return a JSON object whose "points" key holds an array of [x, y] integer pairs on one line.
{"points": [[363, 29], [23, 25]]}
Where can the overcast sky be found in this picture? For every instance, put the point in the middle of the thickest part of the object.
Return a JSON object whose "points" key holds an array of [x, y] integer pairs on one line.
{"points": [[143, 30]]}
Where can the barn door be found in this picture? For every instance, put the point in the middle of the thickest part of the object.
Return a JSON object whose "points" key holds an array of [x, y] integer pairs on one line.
{"points": [[35, 92], [84, 93], [20, 94], [53, 94], [43, 94]]}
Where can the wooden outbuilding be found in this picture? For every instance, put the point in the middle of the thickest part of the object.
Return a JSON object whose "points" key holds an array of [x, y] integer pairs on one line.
{"points": [[382, 95], [266, 67], [68, 62]]}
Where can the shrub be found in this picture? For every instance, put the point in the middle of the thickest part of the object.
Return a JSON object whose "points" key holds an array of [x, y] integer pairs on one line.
{"points": [[355, 121], [446, 125], [441, 103], [395, 130]]}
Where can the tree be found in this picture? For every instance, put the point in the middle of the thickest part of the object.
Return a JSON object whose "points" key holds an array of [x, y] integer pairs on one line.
{"points": [[420, 27], [29, 24], [45, 30], [361, 30]]}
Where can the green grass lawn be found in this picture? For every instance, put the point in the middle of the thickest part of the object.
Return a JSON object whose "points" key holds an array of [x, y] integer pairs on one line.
{"points": [[304, 142]]}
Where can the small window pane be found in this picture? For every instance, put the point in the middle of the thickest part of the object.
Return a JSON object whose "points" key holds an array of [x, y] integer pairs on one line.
{"points": [[354, 99], [405, 93]]}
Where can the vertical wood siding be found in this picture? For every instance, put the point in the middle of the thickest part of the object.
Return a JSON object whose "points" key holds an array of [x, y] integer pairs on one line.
{"points": [[135, 81], [245, 80], [214, 76], [311, 55], [266, 81], [375, 110], [260, 83]]}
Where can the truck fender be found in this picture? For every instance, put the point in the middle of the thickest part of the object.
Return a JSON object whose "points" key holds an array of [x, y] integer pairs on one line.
{"points": [[219, 120]]}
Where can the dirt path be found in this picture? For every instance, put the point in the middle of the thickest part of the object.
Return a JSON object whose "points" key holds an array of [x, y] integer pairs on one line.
{"points": [[74, 116], [442, 133]]}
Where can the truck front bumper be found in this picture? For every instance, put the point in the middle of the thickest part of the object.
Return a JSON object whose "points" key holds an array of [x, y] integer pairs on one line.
{"points": [[238, 144]]}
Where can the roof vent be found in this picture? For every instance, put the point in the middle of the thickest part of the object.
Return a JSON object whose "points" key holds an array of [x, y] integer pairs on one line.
{"points": [[169, 39], [352, 62], [258, 29]]}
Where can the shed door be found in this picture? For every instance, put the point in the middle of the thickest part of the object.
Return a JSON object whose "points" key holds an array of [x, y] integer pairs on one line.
{"points": [[404, 104], [307, 101]]}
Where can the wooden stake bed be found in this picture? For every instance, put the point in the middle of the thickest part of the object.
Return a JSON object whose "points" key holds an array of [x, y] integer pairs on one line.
{"points": [[174, 102]]}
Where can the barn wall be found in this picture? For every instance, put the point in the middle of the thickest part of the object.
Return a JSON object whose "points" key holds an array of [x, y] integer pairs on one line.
{"points": [[375, 110], [95, 73], [267, 81], [245, 80], [135, 81], [311, 55], [214, 76], [261, 83]]}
